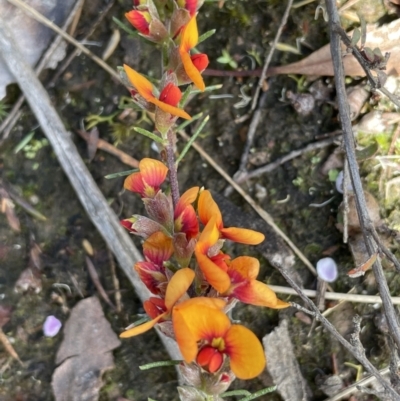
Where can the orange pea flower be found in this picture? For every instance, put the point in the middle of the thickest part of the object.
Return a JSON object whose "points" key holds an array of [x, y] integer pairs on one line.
{"points": [[207, 209], [168, 99], [148, 180], [212, 265], [157, 249], [243, 272], [140, 20], [205, 335], [186, 227], [176, 289], [193, 64], [184, 214]]}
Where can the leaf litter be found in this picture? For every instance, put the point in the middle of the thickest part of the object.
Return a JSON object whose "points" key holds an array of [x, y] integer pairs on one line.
{"points": [[85, 353]]}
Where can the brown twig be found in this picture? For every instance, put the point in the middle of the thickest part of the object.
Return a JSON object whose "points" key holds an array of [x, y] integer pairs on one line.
{"points": [[335, 296], [354, 348], [96, 281], [257, 114], [112, 150], [15, 113], [117, 294], [8, 346], [348, 139], [271, 53], [21, 201], [76, 51], [365, 64], [45, 21], [290, 156]]}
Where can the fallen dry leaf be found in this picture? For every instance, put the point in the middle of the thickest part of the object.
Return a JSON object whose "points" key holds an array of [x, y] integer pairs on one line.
{"points": [[30, 278], [7, 207], [283, 366], [84, 354], [386, 37]]}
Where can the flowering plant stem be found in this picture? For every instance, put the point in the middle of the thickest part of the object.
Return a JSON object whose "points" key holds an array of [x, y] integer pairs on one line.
{"points": [[171, 164]]}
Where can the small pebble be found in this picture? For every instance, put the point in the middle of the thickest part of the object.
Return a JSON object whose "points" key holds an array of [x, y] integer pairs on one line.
{"points": [[327, 270], [51, 326]]}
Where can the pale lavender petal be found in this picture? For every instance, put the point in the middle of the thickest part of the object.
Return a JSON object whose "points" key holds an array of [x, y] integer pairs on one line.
{"points": [[327, 269], [51, 326], [339, 183]]}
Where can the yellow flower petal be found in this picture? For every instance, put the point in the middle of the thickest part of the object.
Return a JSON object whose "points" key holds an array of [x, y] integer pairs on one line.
{"points": [[207, 208], [242, 235], [246, 353], [134, 331], [209, 236], [214, 275], [141, 84], [190, 36], [246, 266], [145, 89], [169, 109], [192, 72], [194, 322], [189, 39], [177, 286]]}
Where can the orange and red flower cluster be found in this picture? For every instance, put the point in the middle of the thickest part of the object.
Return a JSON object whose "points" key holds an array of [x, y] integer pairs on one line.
{"points": [[193, 283], [193, 294], [180, 36]]}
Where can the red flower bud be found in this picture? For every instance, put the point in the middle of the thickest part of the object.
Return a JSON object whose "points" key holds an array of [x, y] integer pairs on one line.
{"points": [[171, 95], [140, 20], [200, 61], [210, 358]]}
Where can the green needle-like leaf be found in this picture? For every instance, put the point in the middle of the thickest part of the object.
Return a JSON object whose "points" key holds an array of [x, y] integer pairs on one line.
{"points": [[192, 139], [159, 364], [121, 174], [149, 134]]}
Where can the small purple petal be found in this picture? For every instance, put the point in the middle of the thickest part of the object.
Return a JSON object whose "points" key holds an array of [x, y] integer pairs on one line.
{"points": [[327, 269], [339, 183], [51, 326]]}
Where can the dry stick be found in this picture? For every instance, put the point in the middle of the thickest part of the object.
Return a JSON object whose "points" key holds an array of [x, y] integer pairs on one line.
{"points": [[94, 26], [88, 193], [8, 124], [112, 150], [348, 138], [337, 29], [117, 295], [261, 212], [281, 160], [355, 349], [335, 296], [257, 115], [271, 53], [45, 21], [353, 388], [15, 113]]}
